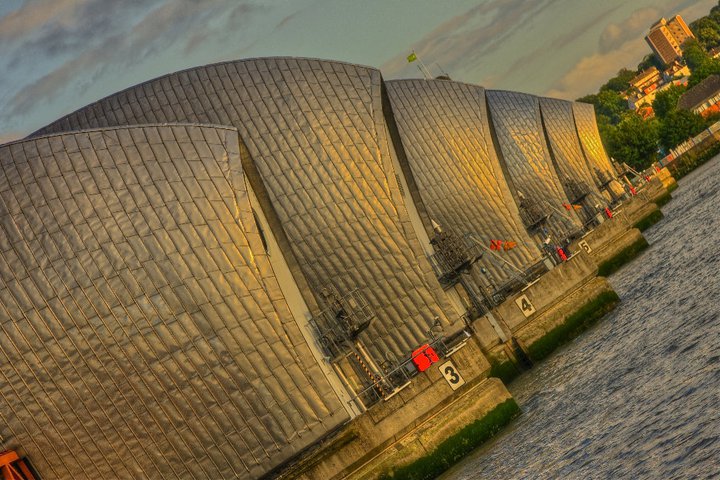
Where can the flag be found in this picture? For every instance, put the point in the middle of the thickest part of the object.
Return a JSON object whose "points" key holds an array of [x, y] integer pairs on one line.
{"points": [[510, 245], [496, 244], [412, 57], [577, 207]]}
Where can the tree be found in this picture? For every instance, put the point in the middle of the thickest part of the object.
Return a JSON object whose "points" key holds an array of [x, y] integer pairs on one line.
{"points": [[633, 140], [700, 63], [707, 32], [608, 103], [708, 37], [694, 54], [710, 67], [666, 100], [679, 126], [650, 60], [620, 82]]}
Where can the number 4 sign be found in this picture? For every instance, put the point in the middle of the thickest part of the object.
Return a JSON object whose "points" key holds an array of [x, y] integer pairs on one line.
{"points": [[524, 304], [451, 374]]}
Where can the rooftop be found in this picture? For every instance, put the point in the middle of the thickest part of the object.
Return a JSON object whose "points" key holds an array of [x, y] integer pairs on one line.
{"points": [[699, 93]]}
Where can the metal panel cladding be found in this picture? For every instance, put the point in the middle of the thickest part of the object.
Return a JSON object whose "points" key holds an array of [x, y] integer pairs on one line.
{"points": [[447, 142], [139, 337], [518, 127], [564, 142], [590, 140], [317, 134]]}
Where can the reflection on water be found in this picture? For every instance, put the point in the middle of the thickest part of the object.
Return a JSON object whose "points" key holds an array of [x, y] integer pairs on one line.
{"points": [[638, 396]]}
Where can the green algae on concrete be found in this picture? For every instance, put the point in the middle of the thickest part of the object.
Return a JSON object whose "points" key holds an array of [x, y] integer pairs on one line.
{"points": [[622, 257], [663, 199], [506, 370], [455, 448], [575, 324], [654, 217]]}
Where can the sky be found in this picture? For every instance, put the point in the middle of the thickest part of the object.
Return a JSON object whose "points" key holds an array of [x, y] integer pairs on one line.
{"points": [[59, 55]]}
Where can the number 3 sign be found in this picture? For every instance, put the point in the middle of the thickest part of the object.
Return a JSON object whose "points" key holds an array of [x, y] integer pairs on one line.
{"points": [[451, 374]]}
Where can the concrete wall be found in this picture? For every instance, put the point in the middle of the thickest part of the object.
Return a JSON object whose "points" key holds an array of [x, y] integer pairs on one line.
{"points": [[636, 209], [547, 291], [427, 397], [608, 239]]}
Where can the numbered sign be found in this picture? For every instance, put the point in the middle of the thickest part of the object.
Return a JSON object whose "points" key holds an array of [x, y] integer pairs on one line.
{"points": [[525, 305], [584, 245], [451, 374]]}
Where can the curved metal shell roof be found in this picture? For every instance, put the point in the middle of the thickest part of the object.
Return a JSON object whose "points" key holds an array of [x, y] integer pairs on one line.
{"points": [[564, 143], [317, 134], [516, 120], [144, 334], [447, 142], [590, 140]]}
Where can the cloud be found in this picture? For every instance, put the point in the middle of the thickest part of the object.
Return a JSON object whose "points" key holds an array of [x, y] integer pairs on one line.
{"points": [[127, 43], [636, 25], [463, 40], [593, 70], [34, 14]]}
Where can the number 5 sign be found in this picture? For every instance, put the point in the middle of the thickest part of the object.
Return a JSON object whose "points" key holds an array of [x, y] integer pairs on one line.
{"points": [[584, 245], [451, 374]]}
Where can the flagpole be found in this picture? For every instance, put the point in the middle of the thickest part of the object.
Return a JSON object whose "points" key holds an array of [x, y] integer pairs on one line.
{"points": [[421, 66], [426, 72]]}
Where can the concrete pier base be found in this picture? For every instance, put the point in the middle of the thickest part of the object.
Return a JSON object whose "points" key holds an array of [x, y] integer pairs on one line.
{"points": [[566, 319], [612, 244], [450, 434], [546, 314], [659, 189], [640, 212], [410, 424], [665, 176], [656, 192]]}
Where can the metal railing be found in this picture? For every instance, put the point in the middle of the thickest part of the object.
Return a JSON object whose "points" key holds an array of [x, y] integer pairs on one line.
{"points": [[532, 214], [577, 191], [399, 376], [603, 178], [453, 255], [341, 322]]}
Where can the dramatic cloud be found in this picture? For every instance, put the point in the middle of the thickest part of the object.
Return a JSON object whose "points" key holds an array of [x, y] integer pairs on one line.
{"points": [[58, 55], [169, 24]]}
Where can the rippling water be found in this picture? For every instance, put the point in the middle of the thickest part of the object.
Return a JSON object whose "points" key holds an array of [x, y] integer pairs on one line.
{"points": [[638, 396]]}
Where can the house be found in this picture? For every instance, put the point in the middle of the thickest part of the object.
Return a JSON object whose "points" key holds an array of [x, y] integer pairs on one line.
{"points": [[702, 98]]}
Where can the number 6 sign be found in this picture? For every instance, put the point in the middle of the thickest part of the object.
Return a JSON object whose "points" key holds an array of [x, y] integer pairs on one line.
{"points": [[451, 374]]}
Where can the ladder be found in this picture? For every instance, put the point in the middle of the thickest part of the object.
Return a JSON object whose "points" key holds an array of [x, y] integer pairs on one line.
{"points": [[12, 467]]}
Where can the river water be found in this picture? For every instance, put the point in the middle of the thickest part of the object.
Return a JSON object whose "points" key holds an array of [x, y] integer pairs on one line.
{"points": [[638, 395]]}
